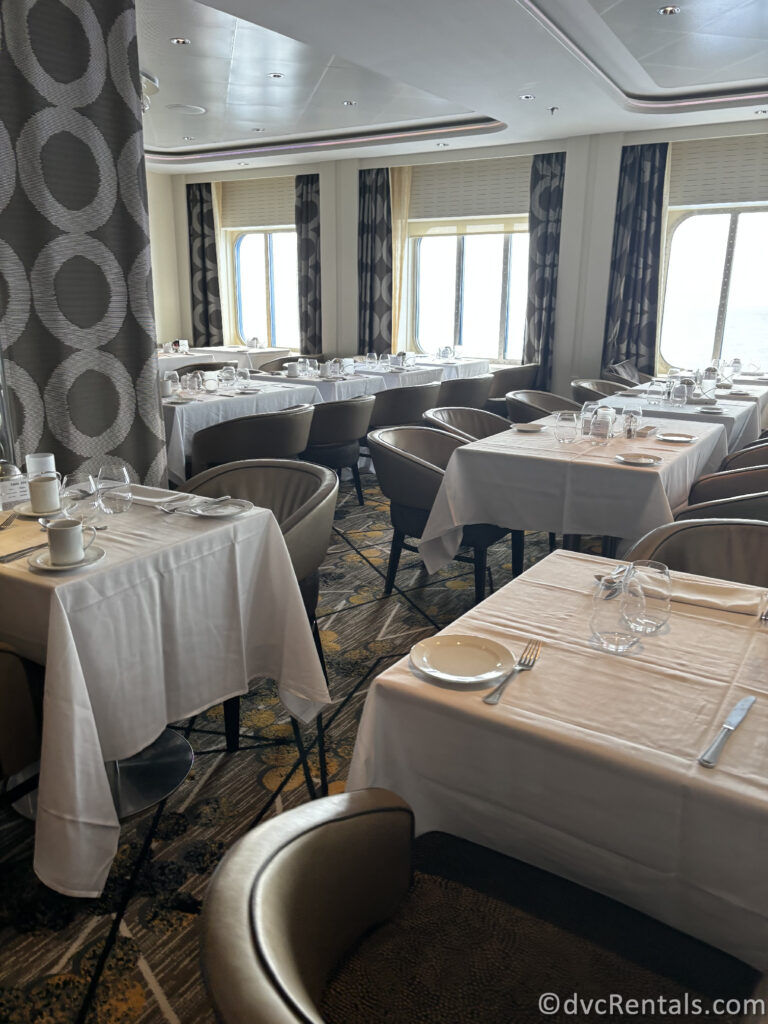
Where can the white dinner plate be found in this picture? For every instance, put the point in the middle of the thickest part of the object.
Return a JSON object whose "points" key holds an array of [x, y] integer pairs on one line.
{"points": [[42, 560], [740, 391], [462, 660], [639, 459], [676, 438], [713, 408], [528, 428], [25, 511], [225, 510], [179, 401]]}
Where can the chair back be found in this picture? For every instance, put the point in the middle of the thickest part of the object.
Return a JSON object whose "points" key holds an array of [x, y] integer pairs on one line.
{"points": [[341, 422], [410, 462], [265, 435], [301, 495], [729, 484], [741, 506], [526, 406], [512, 378], [727, 549], [398, 406], [593, 390], [206, 367], [294, 895], [625, 373], [471, 392], [276, 364], [756, 455], [468, 424]]}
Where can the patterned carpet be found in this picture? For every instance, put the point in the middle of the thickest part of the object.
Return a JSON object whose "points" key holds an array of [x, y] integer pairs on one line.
{"points": [[131, 956]]}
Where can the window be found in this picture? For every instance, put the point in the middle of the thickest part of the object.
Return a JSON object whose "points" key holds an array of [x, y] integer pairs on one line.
{"points": [[715, 302], [267, 286], [470, 286]]}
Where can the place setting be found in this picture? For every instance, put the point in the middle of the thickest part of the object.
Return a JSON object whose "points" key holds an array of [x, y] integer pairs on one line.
{"points": [[465, 662]]}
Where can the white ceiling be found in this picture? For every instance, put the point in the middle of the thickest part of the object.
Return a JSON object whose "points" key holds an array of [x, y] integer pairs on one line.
{"points": [[443, 69]]}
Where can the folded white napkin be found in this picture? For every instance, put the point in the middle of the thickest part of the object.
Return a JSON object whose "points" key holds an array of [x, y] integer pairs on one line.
{"points": [[728, 597]]}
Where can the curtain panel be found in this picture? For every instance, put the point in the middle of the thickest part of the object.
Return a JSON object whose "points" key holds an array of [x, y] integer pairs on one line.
{"points": [[308, 241], [400, 199], [633, 290], [544, 220], [374, 262], [203, 267], [76, 308]]}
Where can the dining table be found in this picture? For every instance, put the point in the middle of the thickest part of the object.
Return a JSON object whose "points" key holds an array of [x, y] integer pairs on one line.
{"points": [[331, 389], [462, 366], [741, 420], [400, 376], [588, 767], [186, 413], [531, 481], [246, 357], [173, 613]]}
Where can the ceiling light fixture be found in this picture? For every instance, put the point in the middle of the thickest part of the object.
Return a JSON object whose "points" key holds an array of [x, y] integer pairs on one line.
{"points": [[668, 10], [761, 111], [180, 41], [275, 74], [258, 129], [442, 145], [527, 96], [349, 103], [553, 110]]}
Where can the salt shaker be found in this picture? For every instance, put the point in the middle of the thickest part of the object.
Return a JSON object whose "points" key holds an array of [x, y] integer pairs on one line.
{"points": [[630, 424]]}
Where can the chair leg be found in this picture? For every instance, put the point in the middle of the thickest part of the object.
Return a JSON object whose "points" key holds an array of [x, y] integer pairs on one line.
{"points": [[321, 756], [303, 759], [232, 723], [319, 646], [608, 546], [517, 538], [394, 560], [552, 541], [358, 485], [481, 558]]}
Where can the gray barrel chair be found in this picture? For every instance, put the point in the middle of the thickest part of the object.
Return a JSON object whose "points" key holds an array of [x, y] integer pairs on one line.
{"points": [[397, 407], [334, 436], [584, 390], [509, 378], [265, 435], [302, 497], [625, 373], [276, 364], [468, 391], [729, 484], [410, 463], [293, 896], [468, 424], [754, 455], [526, 406], [727, 549], [206, 367], [740, 506]]}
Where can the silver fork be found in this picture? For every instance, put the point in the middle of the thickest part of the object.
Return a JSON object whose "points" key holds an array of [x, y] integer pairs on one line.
{"points": [[9, 521], [176, 503], [527, 660]]}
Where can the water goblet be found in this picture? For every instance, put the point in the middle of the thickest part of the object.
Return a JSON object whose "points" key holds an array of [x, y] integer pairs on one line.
{"points": [[371, 359], [113, 486], [244, 377], [588, 410], [313, 370], [616, 605], [301, 363], [654, 393], [656, 586], [566, 426], [227, 378], [172, 378]]}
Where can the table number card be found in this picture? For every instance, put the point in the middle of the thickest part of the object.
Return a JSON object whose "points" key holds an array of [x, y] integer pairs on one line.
{"points": [[13, 491]]}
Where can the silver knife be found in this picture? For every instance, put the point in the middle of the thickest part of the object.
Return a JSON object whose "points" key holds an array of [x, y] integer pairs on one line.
{"points": [[713, 752]]}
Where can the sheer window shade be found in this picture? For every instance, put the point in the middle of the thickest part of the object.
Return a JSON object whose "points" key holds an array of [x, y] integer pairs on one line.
{"points": [[719, 171], [474, 188], [258, 203]]}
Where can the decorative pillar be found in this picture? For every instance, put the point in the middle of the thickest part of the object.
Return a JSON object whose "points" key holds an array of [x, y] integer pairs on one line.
{"points": [[76, 309]]}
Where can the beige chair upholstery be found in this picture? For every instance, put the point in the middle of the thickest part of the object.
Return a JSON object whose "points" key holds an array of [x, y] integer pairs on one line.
{"points": [[755, 455], [593, 390], [276, 364], [471, 392], [509, 378], [468, 424], [399, 406], [741, 506], [727, 549], [334, 436], [728, 484], [410, 463], [21, 688], [526, 406], [265, 435], [206, 367], [625, 373], [293, 896]]}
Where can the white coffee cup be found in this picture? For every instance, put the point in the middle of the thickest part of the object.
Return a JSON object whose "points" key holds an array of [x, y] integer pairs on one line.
{"points": [[291, 369], [65, 541], [325, 369], [44, 493], [183, 345], [40, 462], [166, 388]]}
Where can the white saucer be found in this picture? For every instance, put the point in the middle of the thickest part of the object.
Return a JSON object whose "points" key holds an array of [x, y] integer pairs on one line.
{"points": [[42, 560], [462, 660], [676, 438], [639, 459], [226, 510], [528, 428], [25, 511], [713, 408]]}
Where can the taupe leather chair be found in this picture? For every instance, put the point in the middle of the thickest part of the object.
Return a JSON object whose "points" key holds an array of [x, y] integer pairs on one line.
{"points": [[727, 549], [276, 364], [526, 406], [755, 455], [729, 484], [397, 407], [468, 424], [509, 378], [471, 392], [741, 506], [293, 896], [206, 367], [21, 690], [302, 497], [410, 463], [593, 390], [265, 435], [334, 436], [625, 373]]}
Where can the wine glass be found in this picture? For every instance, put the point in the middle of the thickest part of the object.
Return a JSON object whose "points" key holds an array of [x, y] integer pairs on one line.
{"points": [[617, 604], [567, 426], [371, 359], [313, 369], [303, 366], [227, 377], [656, 586], [113, 487], [172, 378]]}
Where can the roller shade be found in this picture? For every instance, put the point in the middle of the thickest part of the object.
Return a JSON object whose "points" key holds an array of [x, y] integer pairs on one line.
{"points": [[258, 203], [474, 188], [719, 171]]}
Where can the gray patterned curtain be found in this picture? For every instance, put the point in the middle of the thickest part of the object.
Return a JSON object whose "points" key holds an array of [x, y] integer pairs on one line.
{"points": [[76, 311], [545, 216], [374, 262], [204, 270], [308, 232], [633, 292]]}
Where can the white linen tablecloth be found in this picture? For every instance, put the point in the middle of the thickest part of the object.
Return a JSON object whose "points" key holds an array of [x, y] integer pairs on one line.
{"points": [[755, 392], [333, 389], [183, 421], [740, 419], [180, 615], [404, 378], [247, 358], [533, 482], [453, 368], [588, 766]]}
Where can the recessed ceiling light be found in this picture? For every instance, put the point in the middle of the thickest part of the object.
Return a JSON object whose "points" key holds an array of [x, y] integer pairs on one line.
{"points": [[242, 163], [442, 145], [349, 103], [668, 10], [258, 129], [527, 96], [189, 138], [185, 108], [180, 41], [762, 111], [275, 74]]}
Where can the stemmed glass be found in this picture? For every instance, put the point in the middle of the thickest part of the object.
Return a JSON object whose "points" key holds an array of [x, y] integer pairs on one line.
{"points": [[113, 487], [227, 377], [567, 426]]}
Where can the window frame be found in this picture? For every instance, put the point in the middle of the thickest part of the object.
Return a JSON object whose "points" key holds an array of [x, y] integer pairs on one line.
{"points": [[235, 238]]}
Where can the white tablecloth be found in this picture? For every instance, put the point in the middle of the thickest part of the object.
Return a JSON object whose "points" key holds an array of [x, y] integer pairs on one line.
{"points": [[453, 368], [181, 614], [183, 421], [588, 766], [404, 378], [532, 482], [755, 393], [247, 358], [740, 419], [335, 390]]}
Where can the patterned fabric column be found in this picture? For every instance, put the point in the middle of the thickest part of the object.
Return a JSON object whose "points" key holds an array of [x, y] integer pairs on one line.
{"points": [[545, 216], [308, 233], [633, 292], [76, 310], [374, 262], [204, 269]]}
